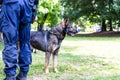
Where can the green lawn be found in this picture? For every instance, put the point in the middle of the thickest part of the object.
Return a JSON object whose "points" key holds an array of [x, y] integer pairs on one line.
{"points": [[80, 58]]}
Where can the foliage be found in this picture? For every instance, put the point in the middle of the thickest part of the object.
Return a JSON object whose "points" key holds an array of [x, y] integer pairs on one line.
{"points": [[49, 11], [94, 11], [116, 7]]}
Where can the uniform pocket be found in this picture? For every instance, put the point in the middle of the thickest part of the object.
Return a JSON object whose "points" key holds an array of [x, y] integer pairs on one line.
{"points": [[27, 12], [31, 3]]}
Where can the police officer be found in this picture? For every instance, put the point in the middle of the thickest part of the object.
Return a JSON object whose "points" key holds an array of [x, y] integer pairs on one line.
{"points": [[0, 12], [15, 19], [0, 21]]}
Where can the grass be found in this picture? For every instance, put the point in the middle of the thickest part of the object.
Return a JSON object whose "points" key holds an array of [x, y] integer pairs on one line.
{"points": [[80, 58], [1, 46]]}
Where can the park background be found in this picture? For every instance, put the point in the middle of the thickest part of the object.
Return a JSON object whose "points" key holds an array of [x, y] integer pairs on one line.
{"points": [[92, 54]]}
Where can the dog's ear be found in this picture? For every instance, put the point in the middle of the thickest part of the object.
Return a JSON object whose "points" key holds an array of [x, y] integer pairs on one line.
{"points": [[65, 22]]}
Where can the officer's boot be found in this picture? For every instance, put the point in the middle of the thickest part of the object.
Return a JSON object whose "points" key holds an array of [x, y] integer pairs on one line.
{"points": [[10, 78], [21, 76]]}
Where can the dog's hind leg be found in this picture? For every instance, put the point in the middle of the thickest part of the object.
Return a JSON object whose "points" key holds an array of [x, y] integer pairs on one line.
{"points": [[55, 56], [55, 48], [47, 60]]}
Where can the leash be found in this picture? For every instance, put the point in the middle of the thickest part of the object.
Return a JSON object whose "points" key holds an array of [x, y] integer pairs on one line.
{"points": [[45, 38]]}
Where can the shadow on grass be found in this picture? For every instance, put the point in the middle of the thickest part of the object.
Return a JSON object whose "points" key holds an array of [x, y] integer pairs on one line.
{"points": [[101, 34]]}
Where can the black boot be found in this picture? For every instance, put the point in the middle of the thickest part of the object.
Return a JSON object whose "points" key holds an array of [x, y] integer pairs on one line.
{"points": [[21, 76], [10, 78]]}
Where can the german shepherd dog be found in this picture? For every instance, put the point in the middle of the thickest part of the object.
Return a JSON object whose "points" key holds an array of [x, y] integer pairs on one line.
{"points": [[50, 41]]}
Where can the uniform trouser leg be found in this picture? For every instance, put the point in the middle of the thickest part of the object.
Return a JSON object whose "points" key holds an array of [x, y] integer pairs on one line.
{"points": [[25, 51], [9, 28], [10, 52]]}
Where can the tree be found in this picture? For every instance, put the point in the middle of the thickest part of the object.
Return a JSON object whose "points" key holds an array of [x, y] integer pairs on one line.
{"points": [[116, 7], [99, 11], [48, 12]]}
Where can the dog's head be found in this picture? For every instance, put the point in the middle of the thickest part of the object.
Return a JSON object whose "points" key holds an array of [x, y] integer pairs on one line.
{"points": [[68, 28]]}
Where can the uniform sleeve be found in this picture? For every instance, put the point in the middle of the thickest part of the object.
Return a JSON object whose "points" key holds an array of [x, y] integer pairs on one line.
{"points": [[36, 2]]}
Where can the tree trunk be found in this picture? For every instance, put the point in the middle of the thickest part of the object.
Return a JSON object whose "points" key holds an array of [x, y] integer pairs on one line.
{"points": [[110, 24], [103, 25], [41, 25], [119, 25], [45, 16]]}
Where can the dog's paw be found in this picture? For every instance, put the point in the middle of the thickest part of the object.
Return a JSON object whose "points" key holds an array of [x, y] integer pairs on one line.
{"points": [[46, 71], [56, 70]]}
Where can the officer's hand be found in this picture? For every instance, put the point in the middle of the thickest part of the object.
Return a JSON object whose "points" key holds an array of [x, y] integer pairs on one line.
{"points": [[36, 18]]}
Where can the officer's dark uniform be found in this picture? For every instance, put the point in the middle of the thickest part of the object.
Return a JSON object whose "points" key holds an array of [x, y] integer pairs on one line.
{"points": [[15, 19]]}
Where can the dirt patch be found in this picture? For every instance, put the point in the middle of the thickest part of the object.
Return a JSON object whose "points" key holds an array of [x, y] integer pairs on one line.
{"points": [[101, 34]]}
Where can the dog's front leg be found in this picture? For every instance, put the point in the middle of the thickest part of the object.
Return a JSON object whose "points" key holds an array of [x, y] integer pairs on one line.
{"points": [[55, 56], [47, 60]]}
